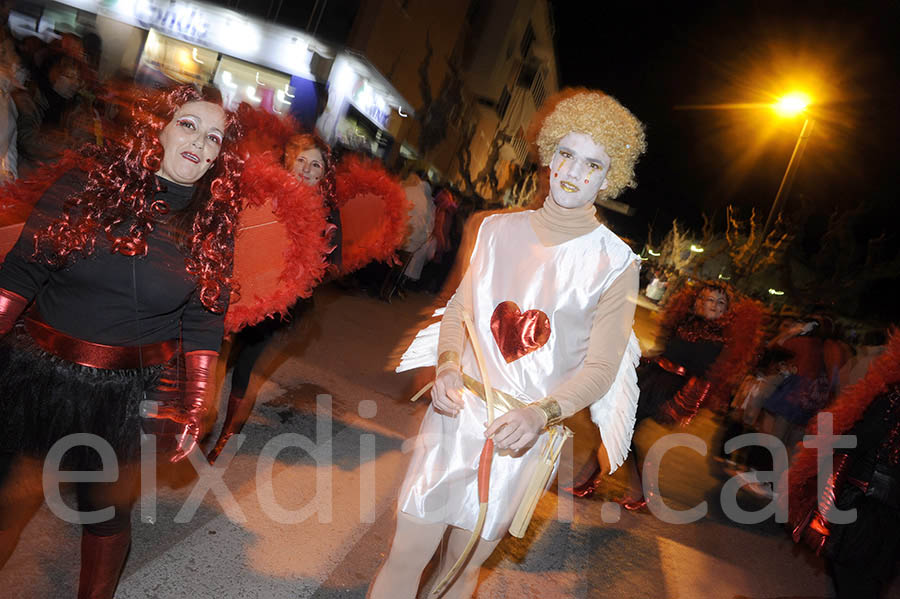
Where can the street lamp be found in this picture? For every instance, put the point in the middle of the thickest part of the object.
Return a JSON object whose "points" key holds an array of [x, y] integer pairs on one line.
{"points": [[790, 105]]}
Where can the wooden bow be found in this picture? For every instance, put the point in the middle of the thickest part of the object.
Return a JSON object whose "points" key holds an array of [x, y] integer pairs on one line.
{"points": [[484, 464]]}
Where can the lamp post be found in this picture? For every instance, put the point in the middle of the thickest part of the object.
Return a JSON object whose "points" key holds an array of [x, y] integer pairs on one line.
{"points": [[788, 106]]}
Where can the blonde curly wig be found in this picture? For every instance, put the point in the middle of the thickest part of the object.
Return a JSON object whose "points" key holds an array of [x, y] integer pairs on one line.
{"points": [[602, 117]]}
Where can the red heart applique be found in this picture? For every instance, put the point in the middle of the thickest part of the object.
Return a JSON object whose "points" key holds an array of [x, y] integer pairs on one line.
{"points": [[516, 333]]}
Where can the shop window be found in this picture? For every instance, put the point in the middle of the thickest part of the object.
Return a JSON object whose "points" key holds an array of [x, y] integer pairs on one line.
{"points": [[357, 133], [165, 59], [242, 81]]}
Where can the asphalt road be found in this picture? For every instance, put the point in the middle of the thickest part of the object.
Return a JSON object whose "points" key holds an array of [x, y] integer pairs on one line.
{"points": [[305, 509]]}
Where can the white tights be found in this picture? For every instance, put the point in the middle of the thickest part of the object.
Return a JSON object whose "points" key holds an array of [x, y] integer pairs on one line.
{"points": [[413, 547]]}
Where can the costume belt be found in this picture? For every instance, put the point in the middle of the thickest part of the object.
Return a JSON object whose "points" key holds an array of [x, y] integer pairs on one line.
{"points": [[97, 355], [670, 366], [502, 401]]}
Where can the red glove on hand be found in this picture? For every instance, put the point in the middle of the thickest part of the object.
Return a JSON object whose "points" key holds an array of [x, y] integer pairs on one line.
{"points": [[200, 366], [11, 306]]}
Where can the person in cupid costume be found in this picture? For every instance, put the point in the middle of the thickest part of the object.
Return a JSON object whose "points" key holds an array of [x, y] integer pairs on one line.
{"points": [[538, 329]]}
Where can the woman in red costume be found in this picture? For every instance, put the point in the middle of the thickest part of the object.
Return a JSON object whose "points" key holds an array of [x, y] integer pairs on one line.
{"points": [[309, 159], [862, 552], [710, 340], [115, 293]]}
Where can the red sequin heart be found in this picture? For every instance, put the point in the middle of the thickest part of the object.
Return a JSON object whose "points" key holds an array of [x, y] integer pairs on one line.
{"points": [[518, 333]]}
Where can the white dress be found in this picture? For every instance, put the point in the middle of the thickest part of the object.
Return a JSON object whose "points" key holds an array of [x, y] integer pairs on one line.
{"points": [[565, 283]]}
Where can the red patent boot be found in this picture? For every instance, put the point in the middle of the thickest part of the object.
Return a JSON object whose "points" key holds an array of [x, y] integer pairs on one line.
{"points": [[589, 486], [633, 505], [102, 559]]}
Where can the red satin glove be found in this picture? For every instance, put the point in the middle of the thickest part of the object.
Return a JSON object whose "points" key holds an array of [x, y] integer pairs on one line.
{"points": [[200, 366], [11, 306]]}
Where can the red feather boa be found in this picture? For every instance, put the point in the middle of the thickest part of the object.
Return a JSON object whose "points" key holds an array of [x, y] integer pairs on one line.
{"points": [[300, 210], [742, 327], [358, 177], [847, 410]]}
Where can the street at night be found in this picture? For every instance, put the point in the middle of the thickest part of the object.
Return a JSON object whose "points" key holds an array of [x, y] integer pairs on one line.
{"points": [[344, 348], [396, 299]]}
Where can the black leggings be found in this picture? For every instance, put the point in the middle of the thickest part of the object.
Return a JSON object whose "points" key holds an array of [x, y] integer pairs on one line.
{"points": [[250, 343], [90, 497]]}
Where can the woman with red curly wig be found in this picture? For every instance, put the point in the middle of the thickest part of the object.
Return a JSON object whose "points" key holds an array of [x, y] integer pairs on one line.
{"points": [[115, 293], [708, 334], [309, 159]]}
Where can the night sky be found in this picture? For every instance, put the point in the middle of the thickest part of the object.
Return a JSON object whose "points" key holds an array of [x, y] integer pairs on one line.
{"points": [[657, 57]]}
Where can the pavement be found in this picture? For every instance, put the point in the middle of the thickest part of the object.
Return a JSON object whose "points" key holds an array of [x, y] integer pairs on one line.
{"points": [[305, 508]]}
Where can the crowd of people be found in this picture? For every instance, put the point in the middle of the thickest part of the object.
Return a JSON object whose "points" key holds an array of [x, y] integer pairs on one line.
{"points": [[138, 256]]}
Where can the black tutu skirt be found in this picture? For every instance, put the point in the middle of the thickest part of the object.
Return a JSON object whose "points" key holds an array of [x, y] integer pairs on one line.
{"points": [[658, 386], [44, 398], [871, 543]]}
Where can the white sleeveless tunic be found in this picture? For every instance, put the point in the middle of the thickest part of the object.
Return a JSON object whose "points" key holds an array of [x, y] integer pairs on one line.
{"points": [[565, 282]]}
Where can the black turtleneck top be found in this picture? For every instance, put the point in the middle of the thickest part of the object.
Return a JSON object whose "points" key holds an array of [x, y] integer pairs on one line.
{"points": [[110, 298]]}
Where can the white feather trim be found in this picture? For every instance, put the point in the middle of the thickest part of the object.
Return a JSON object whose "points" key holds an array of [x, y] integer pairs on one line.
{"points": [[423, 350], [614, 412]]}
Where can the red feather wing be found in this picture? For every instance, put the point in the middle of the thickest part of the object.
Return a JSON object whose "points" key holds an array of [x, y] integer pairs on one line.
{"points": [[374, 212], [280, 244]]}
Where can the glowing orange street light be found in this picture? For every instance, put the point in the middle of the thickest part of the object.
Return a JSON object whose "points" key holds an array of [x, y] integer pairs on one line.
{"points": [[787, 106], [792, 104]]}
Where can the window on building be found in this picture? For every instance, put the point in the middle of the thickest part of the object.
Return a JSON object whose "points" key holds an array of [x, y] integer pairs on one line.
{"points": [[520, 146], [526, 76], [538, 91], [503, 103], [527, 40]]}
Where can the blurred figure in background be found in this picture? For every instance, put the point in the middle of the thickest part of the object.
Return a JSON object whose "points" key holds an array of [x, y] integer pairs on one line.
{"points": [[416, 248], [872, 346], [806, 390], [47, 113], [861, 553], [444, 241], [12, 76], [710, 337], [308, 158]]}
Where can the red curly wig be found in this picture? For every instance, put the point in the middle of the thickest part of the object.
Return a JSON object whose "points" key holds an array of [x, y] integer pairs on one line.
{"points": [[121, 191], [305, 141], [264, 132]]}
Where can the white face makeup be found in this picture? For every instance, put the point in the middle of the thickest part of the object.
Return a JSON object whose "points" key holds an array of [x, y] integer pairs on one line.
{"points": [[710, 304], [578, 170], [191, 142], [309, 167]]}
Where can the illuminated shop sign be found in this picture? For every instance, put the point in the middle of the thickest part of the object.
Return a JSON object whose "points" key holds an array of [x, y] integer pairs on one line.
{"points": [[216, 28], [179, 21]]}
